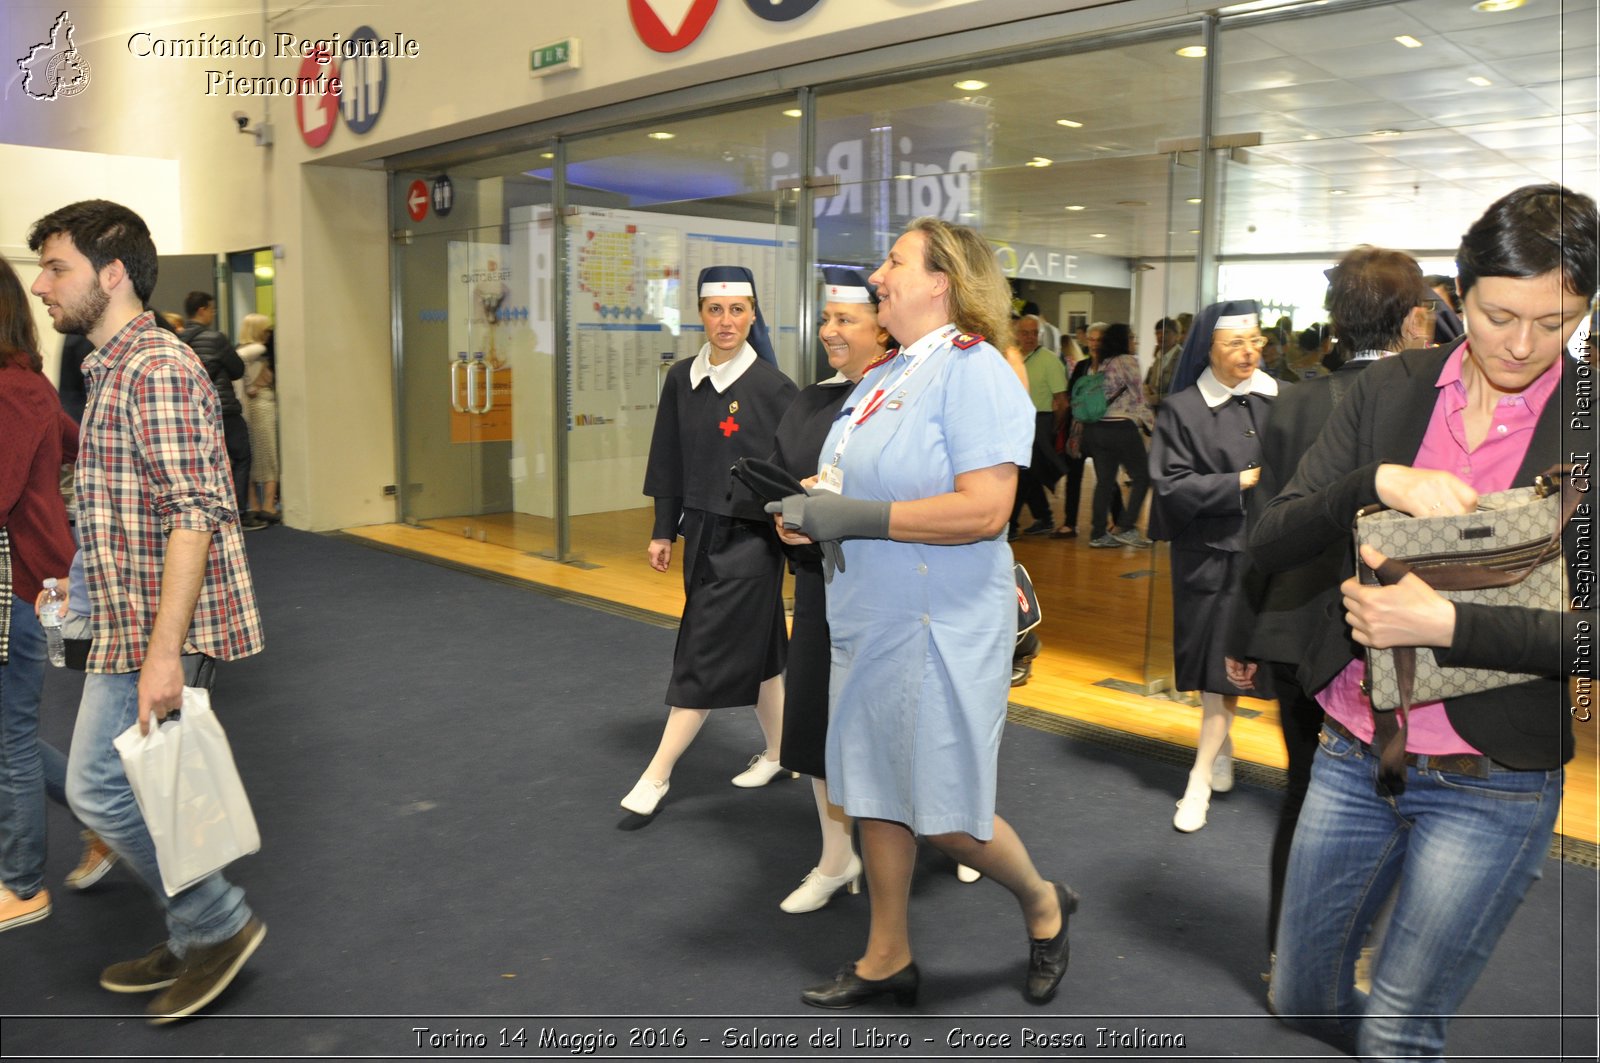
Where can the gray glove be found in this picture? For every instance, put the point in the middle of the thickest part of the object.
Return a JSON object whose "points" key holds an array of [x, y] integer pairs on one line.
{"points": [[829, 517]]}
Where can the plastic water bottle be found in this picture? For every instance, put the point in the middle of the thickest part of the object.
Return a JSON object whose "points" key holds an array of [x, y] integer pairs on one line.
{"points": [[50, 620]]}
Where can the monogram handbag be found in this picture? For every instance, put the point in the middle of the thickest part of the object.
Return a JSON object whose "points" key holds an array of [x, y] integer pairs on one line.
{"points": [[1505, 552]]}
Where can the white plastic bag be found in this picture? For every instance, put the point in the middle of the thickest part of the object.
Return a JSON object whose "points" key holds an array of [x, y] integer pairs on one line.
{"points": [[189, 792]]}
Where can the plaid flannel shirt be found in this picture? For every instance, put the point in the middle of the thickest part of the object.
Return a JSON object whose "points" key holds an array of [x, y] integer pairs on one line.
{"points": [[152, 459]]}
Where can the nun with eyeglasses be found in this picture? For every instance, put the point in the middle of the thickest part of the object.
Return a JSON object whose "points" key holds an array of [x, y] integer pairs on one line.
{"points": [[722, 405], [1204, 457]]}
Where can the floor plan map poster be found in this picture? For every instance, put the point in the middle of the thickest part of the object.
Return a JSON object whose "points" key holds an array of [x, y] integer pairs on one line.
{"points": [[632, 312]]}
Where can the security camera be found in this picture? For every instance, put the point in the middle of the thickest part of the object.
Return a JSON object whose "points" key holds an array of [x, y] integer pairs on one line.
{"points": [[241, 120]]}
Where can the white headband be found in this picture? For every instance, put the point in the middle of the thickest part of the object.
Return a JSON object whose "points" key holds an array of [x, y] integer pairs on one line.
{"points": [[841, 293], [714, 288], [1237, 321]]}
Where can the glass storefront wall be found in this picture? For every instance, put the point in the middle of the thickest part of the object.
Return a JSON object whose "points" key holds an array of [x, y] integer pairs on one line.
{"points": [[560, 287]]}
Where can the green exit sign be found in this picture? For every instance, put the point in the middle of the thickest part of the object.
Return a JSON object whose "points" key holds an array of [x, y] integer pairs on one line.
{"points": [[554, 58]]}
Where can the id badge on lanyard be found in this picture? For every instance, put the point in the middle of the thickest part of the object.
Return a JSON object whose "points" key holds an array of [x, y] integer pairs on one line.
{"points": [[831, 478]]}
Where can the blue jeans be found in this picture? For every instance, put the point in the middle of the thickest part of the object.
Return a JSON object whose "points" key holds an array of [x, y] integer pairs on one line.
{"points": [[210, 911], [1459, 853], [30, 769]]}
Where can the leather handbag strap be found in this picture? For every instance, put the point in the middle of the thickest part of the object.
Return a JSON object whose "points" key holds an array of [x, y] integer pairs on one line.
{"points": [[1391, 728]]}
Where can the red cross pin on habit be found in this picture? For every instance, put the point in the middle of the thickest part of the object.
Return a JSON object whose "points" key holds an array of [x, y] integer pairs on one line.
{"points": [[728, 426]]}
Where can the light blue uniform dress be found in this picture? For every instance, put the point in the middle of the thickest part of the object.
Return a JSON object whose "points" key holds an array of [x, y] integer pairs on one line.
{"points": [[922, 634]]}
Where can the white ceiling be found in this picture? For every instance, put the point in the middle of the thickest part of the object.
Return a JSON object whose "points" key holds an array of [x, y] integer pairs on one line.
{"points": [[1317, 88]]}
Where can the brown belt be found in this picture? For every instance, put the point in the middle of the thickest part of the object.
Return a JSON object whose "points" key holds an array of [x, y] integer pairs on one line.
{"points": [[1472, 765]]}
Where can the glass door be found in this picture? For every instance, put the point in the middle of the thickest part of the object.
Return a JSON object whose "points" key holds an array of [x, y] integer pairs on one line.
{"points": [[475, 359]]}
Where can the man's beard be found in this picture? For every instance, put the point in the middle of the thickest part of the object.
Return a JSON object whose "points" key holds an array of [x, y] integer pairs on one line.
{"points": [[82, 316]]}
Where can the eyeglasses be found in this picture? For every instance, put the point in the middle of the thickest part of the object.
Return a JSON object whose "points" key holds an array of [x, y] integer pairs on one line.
{"points": [[1234, 346]]}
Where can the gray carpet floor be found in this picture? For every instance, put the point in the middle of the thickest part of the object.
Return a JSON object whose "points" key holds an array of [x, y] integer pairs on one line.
{"points": [[435, 760]]}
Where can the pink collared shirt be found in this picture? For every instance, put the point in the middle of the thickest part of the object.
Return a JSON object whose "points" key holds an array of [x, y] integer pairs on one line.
{"points": [[1492, 466]]}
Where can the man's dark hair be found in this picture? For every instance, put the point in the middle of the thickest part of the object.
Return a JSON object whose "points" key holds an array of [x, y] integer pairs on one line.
{"points": [[104, 232], [1370, 292], [1530, 232], [195, 302], [1167, 325]]}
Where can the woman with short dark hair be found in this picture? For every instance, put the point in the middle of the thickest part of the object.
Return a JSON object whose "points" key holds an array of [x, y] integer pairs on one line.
{"points": [[1460, 837]]}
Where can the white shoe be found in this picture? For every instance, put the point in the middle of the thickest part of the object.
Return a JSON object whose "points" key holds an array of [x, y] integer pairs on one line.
{"points": [[1222, 774], [1191, 814], [645, 796], [760, 772], [817, 889], [967, 874]]}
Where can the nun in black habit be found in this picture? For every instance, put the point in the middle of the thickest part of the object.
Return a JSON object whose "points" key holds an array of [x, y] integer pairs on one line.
{"points": [[722, 405], [1205, 455]]}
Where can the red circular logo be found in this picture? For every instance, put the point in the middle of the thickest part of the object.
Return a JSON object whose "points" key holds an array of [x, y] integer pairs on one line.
{"points": [[654, 33], [316, 115]]}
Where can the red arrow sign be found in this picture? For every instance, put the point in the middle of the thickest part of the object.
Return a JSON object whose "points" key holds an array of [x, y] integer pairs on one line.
{"points": [[315, 114], [417, 200], [654, 33]]}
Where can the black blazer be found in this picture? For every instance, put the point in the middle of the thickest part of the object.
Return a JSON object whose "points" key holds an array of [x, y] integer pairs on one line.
{"points": [[1383, 421], [1290, 621]]}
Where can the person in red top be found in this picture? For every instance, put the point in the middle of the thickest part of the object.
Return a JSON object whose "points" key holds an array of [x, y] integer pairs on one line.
{"points": [[36, 436], [165, 567]]}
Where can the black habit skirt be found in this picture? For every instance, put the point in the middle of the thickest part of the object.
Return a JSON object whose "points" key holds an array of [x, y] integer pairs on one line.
{"points": [[1207, 586], [805, 681], [731, 638]]}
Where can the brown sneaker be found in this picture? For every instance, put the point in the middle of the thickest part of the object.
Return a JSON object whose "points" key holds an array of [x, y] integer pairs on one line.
{"points": [[97, 859], [16, 911], [157, 969], [207, 971]]}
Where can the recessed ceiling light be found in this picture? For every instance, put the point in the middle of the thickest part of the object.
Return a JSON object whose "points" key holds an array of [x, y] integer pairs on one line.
{"points": [[1075, 206], [1098, 236], [1192, 51], [1490, 7], [1069, 123], [1408, 40], [547, 155], [1480, 81], [1039, 161], [1308, 136], [1336, 191], [662, 134], [971, 85], [902, 177], [1193, 199], [1194, 232], [793, 112]]}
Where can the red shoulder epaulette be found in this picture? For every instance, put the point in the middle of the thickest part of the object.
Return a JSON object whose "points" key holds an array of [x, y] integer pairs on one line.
{"points": [[888, 355], [966, 341]]}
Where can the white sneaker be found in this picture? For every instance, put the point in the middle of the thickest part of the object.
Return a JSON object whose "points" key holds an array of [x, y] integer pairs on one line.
{"points": [[760, 771], [645, 796], [1222, 774], [1191, 814], [967, 874], [817, 889]]}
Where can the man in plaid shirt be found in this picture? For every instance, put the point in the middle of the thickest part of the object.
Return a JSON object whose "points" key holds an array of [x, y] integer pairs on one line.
{"points": [[165, 565]]}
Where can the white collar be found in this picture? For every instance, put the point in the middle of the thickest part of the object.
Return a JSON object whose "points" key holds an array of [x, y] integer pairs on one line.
{"points": [[1215, 394], [722, 376], [835, 380]]}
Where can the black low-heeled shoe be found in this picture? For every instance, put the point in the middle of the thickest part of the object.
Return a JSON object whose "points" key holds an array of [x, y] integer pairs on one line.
{"points": [[849, 989], [1047, 958]]}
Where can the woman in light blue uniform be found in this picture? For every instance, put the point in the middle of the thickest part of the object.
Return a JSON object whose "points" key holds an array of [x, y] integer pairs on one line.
{"points": [[916, 484]]}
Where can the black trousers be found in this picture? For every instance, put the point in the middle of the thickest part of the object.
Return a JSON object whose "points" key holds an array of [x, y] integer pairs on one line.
{"points": [[236, 436], [1114, 445], [1036, 481], [1301, 719]]}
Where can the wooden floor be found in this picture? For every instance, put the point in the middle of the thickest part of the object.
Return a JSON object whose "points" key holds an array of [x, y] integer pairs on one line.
{"points": [[1100, 606]]}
